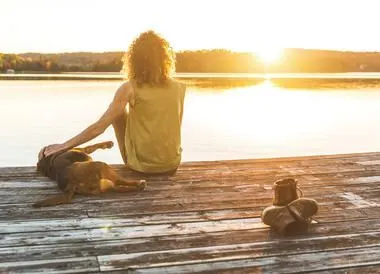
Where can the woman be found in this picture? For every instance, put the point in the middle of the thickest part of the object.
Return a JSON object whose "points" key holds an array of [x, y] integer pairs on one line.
{"points": [[149, 133]]}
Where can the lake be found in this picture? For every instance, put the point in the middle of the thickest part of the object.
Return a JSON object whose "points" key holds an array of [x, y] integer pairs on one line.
{"points": [[231, 119]]}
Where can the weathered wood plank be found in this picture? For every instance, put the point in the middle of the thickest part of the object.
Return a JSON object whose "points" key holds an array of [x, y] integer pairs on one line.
{"points": [[372, 269], [40, 238], [292, 263], [10, 197], [370, 162], [163, 205], [16, 212], [262, 248], [40, 225], [31, 225], [235, 251], [129, 232], [257, 204], [110, 233], [129, 207], [328, 214], [336, 232], [241, 225], [373, 212], [62, 265], [219, 188]]}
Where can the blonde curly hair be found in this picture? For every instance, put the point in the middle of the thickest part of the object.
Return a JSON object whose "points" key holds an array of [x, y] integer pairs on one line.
{"points": [[150, 60]]}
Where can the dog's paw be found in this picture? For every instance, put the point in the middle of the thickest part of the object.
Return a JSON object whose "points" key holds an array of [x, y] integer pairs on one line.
{"points": [[108, 144], [141, 185]]}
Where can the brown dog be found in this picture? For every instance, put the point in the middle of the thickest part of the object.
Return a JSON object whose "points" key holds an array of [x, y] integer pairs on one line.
{"points": [[75, 172]]}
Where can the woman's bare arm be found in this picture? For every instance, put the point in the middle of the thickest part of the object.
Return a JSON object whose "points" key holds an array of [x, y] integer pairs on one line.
{"points": [[115, 109]]}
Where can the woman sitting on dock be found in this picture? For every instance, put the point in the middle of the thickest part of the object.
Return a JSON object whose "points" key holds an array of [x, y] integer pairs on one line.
{"points": [[146, 112]]}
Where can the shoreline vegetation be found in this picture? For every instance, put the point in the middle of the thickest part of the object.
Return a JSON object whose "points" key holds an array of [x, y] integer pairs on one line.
{"points": [[200, 61], [297, 68]]}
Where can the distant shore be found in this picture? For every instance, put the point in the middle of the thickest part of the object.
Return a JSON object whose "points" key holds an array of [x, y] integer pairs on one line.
{"points": [[193, 76], [201, 61]]}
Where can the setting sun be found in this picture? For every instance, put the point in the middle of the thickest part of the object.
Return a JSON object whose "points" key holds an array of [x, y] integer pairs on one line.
{"points": [[269, 55]]}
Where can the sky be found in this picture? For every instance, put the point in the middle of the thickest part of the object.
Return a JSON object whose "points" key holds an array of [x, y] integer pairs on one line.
{"points": [[239, 25]]}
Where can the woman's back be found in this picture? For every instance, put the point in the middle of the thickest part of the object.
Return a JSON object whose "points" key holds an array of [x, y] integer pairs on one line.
{"points": [[153, 131], [149, 136]]}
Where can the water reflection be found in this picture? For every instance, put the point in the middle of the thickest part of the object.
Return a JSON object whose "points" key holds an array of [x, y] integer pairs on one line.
{"points": [[266, 120], [221, 84], [287, 83], [326, 83]]}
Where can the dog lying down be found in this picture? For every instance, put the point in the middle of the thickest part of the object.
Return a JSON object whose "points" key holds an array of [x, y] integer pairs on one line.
{"points": [[76, 173]]}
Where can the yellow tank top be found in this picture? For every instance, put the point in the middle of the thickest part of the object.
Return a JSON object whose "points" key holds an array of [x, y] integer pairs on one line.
{"points": [[153, 132]]}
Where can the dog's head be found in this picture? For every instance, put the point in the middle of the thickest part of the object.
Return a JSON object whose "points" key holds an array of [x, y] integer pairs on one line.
{"points": [[44, 164]]}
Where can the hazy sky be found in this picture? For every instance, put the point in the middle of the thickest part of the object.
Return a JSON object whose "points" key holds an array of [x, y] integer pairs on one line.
{"points": [[244, 25]]}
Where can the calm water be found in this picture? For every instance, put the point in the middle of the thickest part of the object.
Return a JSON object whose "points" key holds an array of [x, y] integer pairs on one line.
{"points": [[220, 121]]}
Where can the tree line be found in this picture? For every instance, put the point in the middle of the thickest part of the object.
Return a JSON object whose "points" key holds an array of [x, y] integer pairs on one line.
{"points": [[201, 61]]}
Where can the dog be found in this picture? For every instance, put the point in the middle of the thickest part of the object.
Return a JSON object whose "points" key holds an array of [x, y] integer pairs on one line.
{"points": [[76, 173]]}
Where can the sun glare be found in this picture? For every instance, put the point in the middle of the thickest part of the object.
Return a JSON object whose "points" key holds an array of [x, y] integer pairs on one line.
{"points": [[269, 55]]}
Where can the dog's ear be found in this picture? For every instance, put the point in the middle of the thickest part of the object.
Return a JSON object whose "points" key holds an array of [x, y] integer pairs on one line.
{"points": [[41, 163], [44, 165]]}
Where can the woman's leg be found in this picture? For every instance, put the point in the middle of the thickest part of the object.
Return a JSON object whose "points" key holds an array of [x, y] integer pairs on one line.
{"points": [[119, 126]]}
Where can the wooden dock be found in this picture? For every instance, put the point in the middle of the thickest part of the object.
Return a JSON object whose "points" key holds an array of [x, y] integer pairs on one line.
{"points": [[205, 218]]}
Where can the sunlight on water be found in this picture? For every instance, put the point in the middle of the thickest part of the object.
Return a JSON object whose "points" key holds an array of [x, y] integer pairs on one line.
{"points": [[219, 123], [267, 121]]}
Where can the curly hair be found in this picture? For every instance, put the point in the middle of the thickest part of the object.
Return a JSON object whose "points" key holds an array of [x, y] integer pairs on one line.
{"points": [[149, 60]]}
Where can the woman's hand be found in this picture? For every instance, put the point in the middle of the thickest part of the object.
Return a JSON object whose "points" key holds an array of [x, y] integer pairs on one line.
{"points": [[51, 149]]}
